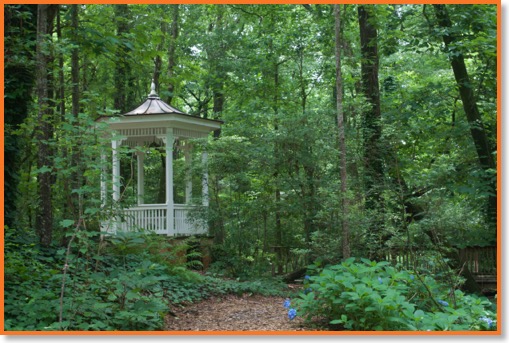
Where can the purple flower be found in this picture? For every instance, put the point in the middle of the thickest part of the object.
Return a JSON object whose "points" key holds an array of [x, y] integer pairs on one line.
{"points": [[292, 313], [443, 303], [287, 303], [487, 320]]}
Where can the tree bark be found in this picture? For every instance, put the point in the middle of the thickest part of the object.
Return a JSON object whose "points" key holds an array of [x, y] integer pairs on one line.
{"points": [[341, 135], [468, 98], [372, 125], [44, 216], [172, 56], [277, 193], [75, 102], [158, 61], [121, 67]]}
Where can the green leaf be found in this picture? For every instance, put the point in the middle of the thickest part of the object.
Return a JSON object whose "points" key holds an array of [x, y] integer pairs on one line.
{"points": [[67, 223]]}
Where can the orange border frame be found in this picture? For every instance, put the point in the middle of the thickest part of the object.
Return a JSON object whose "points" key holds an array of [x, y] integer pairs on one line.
{"points": [[271, 333]]}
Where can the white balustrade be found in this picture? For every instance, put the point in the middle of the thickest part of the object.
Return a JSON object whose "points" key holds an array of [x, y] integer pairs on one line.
{"points": [[184, 226], [153, 218]]}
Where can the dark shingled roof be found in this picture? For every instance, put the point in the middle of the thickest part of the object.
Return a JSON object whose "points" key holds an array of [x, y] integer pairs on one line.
{"points": [[153, 105]]}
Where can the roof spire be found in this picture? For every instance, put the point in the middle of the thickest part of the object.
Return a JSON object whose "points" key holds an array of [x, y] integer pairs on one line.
{"points": [[153, 93]]}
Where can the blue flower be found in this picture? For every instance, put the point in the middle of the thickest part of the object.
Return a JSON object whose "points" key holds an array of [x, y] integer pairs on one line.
{"points": [[412, 277], [292, 313], [380, 281], [308, 290], [443, 303], [287, 303], [488, 321], [307, 277]]}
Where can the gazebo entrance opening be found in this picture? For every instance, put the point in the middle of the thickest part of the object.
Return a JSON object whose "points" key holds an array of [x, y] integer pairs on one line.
{"points": [[160, 172]]}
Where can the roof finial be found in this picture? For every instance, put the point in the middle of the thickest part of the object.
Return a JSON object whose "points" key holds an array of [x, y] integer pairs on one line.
{"points": [[153, 93]]}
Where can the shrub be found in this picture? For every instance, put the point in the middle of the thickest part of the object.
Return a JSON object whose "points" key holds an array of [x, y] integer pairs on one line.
{"points": [[368, 295]]}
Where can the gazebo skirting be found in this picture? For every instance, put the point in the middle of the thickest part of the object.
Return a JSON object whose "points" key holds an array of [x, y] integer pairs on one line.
{"points": [[154, 218]]}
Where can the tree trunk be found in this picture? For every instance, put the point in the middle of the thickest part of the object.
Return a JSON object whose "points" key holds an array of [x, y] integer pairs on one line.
{"points": [[121, 66], [372, 126], [341, 134], [61, 78], [75, 102], [277, 193], [466, 90], [44, 217], [19, 80], [172, 57], [158, 61]]}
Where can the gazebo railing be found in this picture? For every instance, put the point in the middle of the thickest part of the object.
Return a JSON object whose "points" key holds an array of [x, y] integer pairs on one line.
{"points": [[154, 218]]}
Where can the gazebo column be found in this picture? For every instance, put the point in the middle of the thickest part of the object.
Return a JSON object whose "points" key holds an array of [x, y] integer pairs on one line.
{"points": [[205, 179], [104, 188], [141, 176], [115, 146], [170, 206], [189, 175]]}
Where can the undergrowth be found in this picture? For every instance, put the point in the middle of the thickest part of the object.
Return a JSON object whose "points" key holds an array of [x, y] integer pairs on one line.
{"points": [[366, 295], [126, 282]]}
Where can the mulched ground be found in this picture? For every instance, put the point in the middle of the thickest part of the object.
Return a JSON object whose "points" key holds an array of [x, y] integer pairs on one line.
{"points": [[235, 313]]}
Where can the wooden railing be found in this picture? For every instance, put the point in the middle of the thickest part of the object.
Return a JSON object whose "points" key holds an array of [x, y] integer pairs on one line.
{"points": [[183, 225], [480, 260], [153, 218], [148, 217]]}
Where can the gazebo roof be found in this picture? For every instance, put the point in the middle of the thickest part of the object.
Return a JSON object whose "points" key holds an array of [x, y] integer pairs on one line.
{"points": [[154, 105], [155, 117]]}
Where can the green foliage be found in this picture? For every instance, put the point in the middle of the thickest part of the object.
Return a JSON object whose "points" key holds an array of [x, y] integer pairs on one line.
{"points": [[368, 295], [126, 282]]}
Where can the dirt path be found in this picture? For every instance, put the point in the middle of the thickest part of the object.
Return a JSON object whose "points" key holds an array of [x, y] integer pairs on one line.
{"points": [[233, 313]]}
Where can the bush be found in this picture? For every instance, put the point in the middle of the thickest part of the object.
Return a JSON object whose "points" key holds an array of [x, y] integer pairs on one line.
{"points": [[376, 296]]}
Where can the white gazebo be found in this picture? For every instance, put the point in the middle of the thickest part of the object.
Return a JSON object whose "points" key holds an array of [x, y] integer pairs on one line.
{"points": [[156, 122]]}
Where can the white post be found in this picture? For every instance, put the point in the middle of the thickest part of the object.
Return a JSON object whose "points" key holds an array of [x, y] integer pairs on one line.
{"points": [[189, 174], [205, 180], [170, 206], [115, 144], [141, 176], [104, 189]]}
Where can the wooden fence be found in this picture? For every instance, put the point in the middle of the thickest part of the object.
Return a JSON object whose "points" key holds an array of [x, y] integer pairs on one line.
{"points": [[481, 261]]}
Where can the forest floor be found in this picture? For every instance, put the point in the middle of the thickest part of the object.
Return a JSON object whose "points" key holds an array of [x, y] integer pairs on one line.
{"points": [[235, 313]]}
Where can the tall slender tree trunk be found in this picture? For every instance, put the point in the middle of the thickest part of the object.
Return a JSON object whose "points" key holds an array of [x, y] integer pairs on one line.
{"points": [[61, 78], [75, 102], [217, 71], [172, 47], [341, 135], [121, 66], [277, 193], [468, 98], [158, 61], [372, 126], [44, 216]]}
